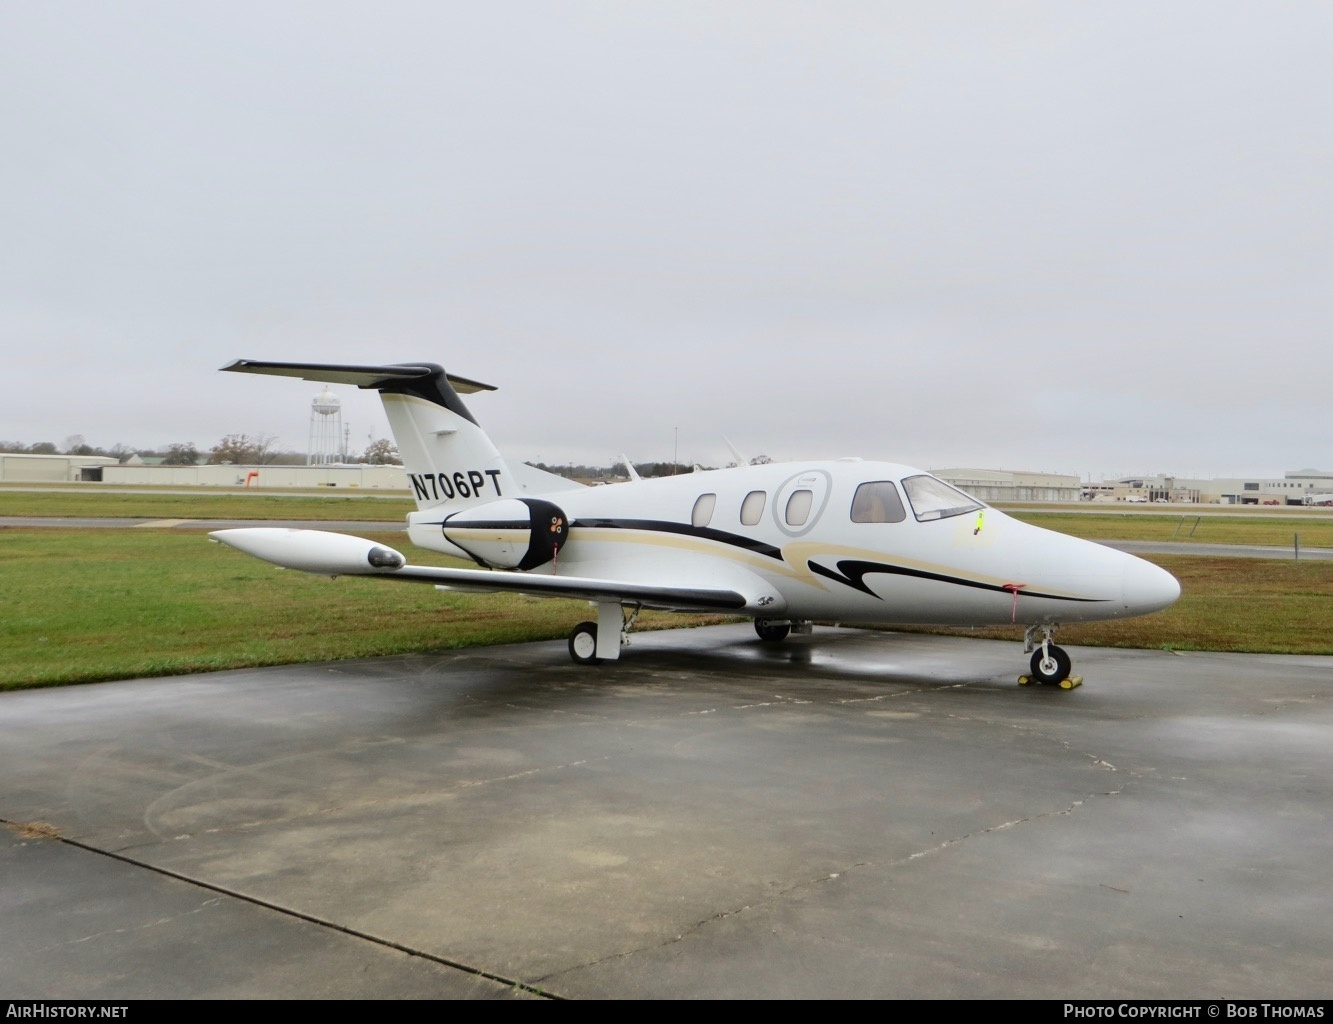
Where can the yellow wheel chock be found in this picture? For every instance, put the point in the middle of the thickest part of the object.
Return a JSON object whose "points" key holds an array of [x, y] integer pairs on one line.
{"points": [[1065, 684]]}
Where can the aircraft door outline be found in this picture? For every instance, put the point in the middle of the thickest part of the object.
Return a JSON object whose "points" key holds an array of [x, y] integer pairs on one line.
{"points": [[819, 483]]}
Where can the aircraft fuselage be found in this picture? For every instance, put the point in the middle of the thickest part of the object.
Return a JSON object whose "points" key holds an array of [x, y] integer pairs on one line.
{"points": [[792, 538]]}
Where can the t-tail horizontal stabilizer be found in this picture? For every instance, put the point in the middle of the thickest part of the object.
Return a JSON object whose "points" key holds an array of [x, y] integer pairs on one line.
{"points": [[437, 436], [362, 376]]}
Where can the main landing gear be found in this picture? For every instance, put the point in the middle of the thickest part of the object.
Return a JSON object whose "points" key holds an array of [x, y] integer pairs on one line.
{"points": [[1050, 665], [773, 631], [591, 643], [583, 644]]}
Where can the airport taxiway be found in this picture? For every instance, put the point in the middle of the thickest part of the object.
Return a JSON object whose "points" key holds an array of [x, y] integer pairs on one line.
{"points": [[852, 814]]}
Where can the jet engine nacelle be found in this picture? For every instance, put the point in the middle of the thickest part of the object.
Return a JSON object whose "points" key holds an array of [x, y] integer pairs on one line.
{"points": [[512, 533]]}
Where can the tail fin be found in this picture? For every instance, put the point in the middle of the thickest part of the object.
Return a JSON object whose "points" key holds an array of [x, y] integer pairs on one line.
{"points": [[448, 457]]}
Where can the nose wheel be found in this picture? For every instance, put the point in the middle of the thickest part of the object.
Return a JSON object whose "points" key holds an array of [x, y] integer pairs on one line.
{"points": [[1050, 665]]}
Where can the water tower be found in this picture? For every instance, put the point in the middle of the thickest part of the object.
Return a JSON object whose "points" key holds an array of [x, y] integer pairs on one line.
{"points": [[326, 430]]}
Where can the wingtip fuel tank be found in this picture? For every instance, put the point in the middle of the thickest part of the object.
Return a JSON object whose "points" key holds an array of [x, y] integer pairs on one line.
{"points": [[317, 551]]}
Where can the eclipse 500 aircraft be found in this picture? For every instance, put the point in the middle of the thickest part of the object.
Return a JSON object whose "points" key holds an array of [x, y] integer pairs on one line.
{"points": [[785, 544]]}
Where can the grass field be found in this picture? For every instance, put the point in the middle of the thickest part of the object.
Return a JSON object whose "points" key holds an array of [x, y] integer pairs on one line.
{"points": [[80, 606], [1314, 528], [85, 605]]}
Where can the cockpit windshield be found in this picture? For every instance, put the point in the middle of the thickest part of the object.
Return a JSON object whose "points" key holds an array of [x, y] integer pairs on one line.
{"points": [[932, 498]]}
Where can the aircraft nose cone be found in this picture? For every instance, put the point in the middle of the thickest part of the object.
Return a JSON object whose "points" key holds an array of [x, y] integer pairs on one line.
{"points": [[1148, 588]]}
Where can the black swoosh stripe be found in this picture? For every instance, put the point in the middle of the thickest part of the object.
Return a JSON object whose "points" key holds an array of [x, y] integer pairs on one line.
{"points": [[853, 574], [758, 547]]}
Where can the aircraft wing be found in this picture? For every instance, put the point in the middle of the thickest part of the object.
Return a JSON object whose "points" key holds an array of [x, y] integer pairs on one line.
{"points": [[676, 599], [336, 554]]}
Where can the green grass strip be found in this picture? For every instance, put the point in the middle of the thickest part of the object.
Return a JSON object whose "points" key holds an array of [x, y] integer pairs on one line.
{"points": [[82, 606]]}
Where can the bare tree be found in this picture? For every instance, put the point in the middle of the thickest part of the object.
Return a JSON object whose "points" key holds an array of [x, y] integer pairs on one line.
{"points": [[383, 453], [242, 450], [182, 454]]}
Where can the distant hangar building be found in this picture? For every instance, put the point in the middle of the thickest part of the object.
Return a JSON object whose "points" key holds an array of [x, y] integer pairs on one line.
{"points": [[998, 485], [1295, 487], [357, 476], [52, 469]]}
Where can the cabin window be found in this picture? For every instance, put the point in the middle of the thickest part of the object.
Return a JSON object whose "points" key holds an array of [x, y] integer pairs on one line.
{"points": [[877, 502], [703, 510], [798, 507], [752, 508], [932, 498]]}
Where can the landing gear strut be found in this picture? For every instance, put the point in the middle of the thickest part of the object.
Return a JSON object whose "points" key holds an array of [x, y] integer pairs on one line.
{"points": [[1050, 665]]}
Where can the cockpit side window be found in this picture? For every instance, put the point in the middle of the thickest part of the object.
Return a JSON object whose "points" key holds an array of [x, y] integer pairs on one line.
{"points": [[752, 508], [877, 502], [932, 498], [703, 510]]}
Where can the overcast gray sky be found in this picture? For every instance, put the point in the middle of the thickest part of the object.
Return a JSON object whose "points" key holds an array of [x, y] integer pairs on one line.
{"points": [[1082, 237]]}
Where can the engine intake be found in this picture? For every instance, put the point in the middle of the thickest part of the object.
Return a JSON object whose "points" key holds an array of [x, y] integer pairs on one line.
{"points": [[513, 533]]}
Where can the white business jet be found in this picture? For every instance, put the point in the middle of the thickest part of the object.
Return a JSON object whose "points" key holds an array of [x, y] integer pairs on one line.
{"points": [[785, 544]]}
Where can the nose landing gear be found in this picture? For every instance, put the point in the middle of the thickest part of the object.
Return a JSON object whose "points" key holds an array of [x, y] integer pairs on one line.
{"points": [[1050, 665]]}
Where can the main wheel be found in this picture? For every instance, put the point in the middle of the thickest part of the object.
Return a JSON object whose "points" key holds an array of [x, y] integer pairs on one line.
{"points": [[1052, 667], [771, 632], [583, 644]]}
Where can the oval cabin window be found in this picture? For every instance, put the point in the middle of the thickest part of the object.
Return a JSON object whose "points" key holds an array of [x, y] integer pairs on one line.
{"points": [[752, 508], [798, 507], [703, 510]]}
